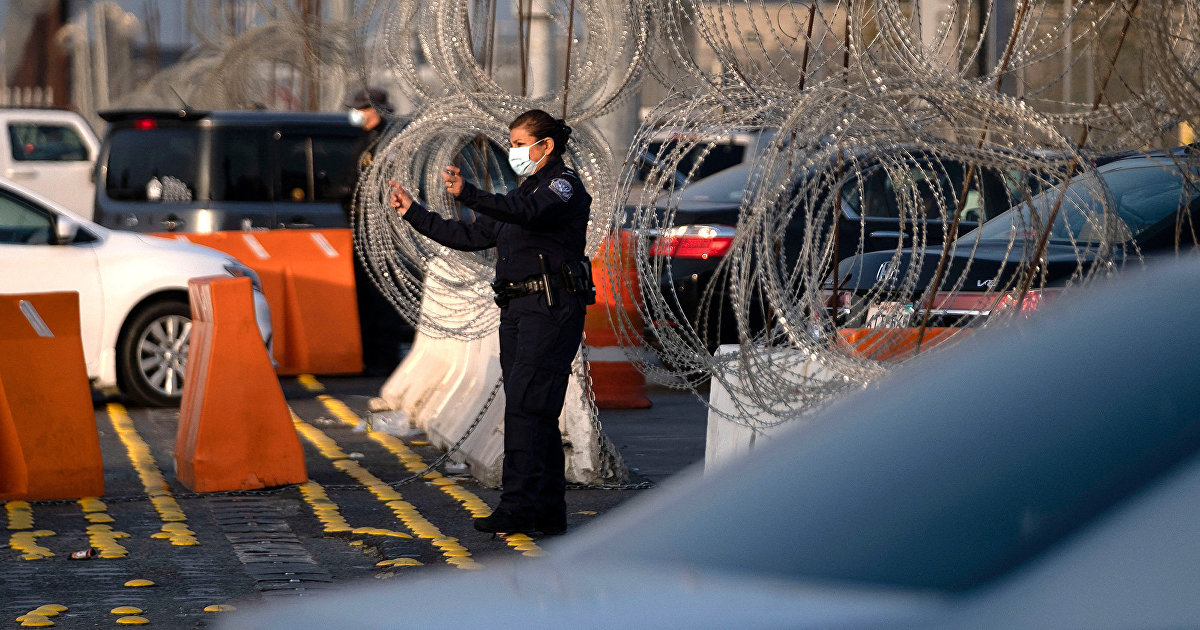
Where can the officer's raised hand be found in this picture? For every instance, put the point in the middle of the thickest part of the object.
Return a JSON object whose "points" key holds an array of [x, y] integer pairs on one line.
{"points": [[399, 198], [454, 181]]}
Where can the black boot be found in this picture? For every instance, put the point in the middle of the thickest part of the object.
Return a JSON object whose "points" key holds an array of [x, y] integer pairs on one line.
{"points": [[504, 521], [551, 527], [551, 523]]}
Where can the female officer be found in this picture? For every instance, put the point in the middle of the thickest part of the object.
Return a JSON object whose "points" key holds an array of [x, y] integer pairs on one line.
{"points": [[539, 232]]}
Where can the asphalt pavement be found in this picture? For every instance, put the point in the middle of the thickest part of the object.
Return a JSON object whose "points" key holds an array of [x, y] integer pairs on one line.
{"points": [[204, 553]]}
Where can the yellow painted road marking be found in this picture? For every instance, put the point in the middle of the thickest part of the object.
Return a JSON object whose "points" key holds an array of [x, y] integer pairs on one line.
{"points": [[101, 535], [412, 461], [24, 537], [152, 478], [20, 514], [329, 516], [310, 383]]}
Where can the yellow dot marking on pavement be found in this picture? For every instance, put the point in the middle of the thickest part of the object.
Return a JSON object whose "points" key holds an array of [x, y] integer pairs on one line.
{"points": [[216, 608], [376, 531], [403, 510], [133, 620], [58, 608], [34, 620], [413, 462], [20, 514], [310, 382], [147, 469], [26, 543], [325, 510], [100, 535], [400, 562], [127, 610], [92, 504], [139, 583], [44, 611]]}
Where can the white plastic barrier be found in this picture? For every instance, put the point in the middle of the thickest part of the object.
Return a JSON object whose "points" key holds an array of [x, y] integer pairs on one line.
{"points": [[444, 383], [591, 458], [483, 451], [727, 439], [436, 365]]}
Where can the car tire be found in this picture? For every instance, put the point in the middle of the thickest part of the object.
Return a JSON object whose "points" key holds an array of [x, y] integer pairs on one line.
{"points": [[152, 353]]}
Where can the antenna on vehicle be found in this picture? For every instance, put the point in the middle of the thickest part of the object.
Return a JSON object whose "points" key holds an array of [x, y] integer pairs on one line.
{"points": [[186, 108]]}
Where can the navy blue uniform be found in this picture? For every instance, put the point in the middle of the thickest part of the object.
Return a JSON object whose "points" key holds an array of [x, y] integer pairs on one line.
{"points": [[380, 326], [547, 214]]}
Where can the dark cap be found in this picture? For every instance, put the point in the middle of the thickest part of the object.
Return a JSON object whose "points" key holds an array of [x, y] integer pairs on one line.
{"points": [[369, 97]]}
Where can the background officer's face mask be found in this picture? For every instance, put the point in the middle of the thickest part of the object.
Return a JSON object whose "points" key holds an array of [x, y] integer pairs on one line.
{"points": [[518, 159]]}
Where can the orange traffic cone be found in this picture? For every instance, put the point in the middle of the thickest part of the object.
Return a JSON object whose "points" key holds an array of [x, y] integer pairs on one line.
{"points": [[616, 382]]}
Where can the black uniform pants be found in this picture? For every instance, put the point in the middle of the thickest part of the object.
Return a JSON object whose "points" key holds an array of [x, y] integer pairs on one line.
{"points": [[537, 345], [379, 324]]}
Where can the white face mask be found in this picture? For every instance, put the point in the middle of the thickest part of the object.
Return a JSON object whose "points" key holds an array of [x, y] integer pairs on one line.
{"points": [[518, 159]]}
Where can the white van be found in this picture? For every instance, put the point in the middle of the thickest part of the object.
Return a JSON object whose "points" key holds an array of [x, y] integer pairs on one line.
{"points": [[51, 152]]}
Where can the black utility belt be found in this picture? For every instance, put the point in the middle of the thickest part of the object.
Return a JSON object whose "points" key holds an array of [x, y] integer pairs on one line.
{"points": [[574, 276]]}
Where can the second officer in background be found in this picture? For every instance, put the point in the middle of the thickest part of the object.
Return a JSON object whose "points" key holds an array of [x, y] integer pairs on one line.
{"points": [[543, 284]]}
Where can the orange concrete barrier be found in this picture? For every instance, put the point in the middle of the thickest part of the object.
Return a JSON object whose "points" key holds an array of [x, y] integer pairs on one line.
{"points": [[892, 344], [235, 429], [308, 279], [49, 448], [616, 382]]}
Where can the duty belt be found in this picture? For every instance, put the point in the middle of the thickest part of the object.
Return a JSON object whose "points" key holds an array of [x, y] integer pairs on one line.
{"points": [[532, 285], [574, 276]]}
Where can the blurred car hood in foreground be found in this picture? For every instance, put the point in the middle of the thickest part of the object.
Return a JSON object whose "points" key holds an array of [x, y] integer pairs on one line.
{"points": [[1038, 474]]}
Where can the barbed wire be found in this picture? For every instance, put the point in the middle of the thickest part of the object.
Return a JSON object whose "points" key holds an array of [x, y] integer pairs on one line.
{"points": [[854, 103], [887, 102]]}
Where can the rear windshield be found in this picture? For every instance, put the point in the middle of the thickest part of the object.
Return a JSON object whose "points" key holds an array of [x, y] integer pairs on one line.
{"points": [[1142, 198], [153, 163], [247, 165], [316, 167]]}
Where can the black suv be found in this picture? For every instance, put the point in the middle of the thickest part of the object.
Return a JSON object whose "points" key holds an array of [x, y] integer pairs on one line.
{"points": [[206, 171]]}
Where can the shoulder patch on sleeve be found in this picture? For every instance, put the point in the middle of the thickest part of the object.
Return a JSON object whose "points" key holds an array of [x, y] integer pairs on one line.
{"points": [[562, 188]]}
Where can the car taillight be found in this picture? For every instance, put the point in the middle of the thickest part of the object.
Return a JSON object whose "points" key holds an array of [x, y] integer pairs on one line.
{"points": [[694, 241], [145, 123], [1034, 299]]}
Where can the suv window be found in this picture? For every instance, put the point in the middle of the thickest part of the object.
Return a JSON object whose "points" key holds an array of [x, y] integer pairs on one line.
{"points": [[138, 156], [317, 168], [46, 142], [241, 160], [20, 224]]}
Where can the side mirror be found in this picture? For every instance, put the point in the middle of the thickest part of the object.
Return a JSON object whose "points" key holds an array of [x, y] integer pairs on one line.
{"points": [[65, 230]]}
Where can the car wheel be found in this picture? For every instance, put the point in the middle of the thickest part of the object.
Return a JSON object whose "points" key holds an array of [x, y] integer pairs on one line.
{"points": [[152, 354]]}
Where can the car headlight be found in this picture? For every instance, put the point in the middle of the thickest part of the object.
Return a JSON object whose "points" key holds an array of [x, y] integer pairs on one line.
{"points": [[238, 270]]}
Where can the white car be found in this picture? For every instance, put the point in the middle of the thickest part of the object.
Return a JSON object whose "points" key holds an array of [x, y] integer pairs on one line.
{"points": [[51, 152], [134, 313]]}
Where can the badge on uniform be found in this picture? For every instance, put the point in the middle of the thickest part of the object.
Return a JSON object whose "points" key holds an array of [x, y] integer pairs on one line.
{"points": [[562, 188]]}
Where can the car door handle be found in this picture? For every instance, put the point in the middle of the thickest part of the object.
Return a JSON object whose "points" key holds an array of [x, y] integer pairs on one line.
{"points": [[890, 234], [20, 173]]}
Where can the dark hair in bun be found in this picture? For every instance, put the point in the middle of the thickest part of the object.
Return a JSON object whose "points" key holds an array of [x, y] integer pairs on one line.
{"points": [[540, 125]]}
